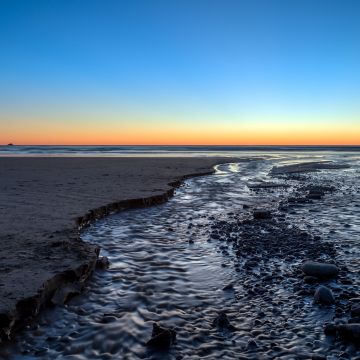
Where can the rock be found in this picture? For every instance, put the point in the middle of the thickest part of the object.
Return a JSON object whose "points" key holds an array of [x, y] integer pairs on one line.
{"points": [[349, 332], [228, 287], [262, 214], [102, 263], [161, 338], [318, 357], [311, 279], [324, 295], [251, 345], [354, 320], [314, 196], [355, 310], [330, 329], [320, 270], [222, 321], [65, 293]]}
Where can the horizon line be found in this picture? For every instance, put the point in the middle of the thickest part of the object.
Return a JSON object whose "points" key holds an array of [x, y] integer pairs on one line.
{"points": [[194, 145]]}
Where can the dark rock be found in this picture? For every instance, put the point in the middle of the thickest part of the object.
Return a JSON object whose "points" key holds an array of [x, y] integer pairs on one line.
{"points": [[330, 329], [320, 270], [354, 320], [222, 321], [161, 338], [355, 310], [311, 279], [349, 332], [262, 214], [324, 295], [314, 196], [251, 345], [318, 357], [102, 263], [228, 287]]}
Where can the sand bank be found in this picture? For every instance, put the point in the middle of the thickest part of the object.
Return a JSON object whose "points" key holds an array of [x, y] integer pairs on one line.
{"points": [[45, 201]]}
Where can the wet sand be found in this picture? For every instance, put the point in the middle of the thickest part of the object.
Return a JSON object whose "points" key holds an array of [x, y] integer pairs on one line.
{"points": [[45, 201]]}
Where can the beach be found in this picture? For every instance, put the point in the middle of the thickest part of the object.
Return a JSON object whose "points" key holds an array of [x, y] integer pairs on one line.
{"points": [[45, 201], [252, 257]]}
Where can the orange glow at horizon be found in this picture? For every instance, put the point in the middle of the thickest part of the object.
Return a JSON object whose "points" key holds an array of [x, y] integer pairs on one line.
{"points": [[181, 135]]}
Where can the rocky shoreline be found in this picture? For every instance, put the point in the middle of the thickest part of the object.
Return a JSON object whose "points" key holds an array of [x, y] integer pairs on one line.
{"points": [[268, 248]]}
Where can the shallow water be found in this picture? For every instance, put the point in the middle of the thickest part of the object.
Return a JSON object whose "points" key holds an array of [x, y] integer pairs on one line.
{"points": [[166, 267]]}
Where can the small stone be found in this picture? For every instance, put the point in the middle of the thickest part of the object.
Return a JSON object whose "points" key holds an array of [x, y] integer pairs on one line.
{"points": [[228, 287], [222, 321], [251, 345], [324, 295], [262, 214], [320, 270], [102, 263]]}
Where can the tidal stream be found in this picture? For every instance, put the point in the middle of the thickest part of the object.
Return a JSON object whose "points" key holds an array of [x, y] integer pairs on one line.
{"points": [[171, 262]]}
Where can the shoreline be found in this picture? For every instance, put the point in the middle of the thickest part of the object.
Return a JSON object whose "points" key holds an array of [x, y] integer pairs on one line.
{"points": [[68, 260]]}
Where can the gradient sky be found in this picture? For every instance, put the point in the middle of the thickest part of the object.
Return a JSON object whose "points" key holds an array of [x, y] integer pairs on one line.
{"points": [[180, 72]]}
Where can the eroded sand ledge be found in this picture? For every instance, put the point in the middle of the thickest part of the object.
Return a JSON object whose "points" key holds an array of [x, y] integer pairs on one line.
{"points": [[44, 202]]}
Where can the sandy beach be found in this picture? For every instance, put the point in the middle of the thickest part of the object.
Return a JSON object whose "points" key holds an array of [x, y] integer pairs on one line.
{"points": [[45, 201]]}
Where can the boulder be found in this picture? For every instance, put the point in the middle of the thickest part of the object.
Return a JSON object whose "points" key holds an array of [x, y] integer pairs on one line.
{"points": [[320, 270], [324, 295]]}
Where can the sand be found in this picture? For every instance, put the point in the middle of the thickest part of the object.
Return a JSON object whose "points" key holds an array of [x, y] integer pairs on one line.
{"points": [[43, 204]]}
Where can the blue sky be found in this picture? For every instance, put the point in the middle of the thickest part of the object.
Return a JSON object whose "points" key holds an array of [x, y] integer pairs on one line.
{"points": [[188, 61]]}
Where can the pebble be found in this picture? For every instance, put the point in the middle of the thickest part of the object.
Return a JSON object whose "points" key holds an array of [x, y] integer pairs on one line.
{"points": [[222, 321], [320, 270], [324, 295], [262, 214]]}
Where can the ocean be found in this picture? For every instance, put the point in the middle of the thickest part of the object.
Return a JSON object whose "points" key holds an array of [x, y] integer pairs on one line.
{"points": [[192, 151]]}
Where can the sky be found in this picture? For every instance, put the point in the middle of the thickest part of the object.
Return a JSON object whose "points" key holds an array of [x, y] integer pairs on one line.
{"points": [[255, 72]]}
